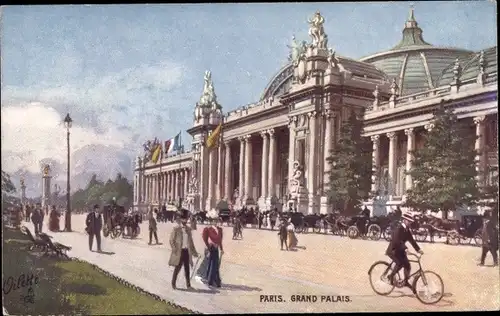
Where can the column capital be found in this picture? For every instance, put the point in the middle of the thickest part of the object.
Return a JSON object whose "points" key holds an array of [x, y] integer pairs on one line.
{"points": [[409, 131], [247, 138], [375, 139], [263, 134], [328, 113], [479, 119], [312, 114], [241, 138], [271, 132], [391, 135], [292, 120], [429, 126], [227, 142]]}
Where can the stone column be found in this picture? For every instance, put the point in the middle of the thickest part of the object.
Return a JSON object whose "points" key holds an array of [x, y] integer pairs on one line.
{"points": [[264, 167], [248, 170], [165, 187], [186, 182], [392, 162], [169, 186], [480, 150], [241, 185], [410, 146], [220, 171], [271, 184], [291, 148], [311, 168], [212, 175], [227, 172], [146, 188], [375, 164], [179, 184], [328, 114]]}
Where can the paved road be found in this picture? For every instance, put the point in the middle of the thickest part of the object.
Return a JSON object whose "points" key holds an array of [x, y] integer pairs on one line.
{"points": [[255, 266]]}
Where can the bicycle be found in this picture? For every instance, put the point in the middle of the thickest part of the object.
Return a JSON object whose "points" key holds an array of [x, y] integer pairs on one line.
{"points": [[433, 290]]}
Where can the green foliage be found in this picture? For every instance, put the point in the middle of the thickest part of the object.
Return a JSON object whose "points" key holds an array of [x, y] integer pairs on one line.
{"points": [[351, 169], [444, 170], [102, 193], [66, 287], [7, 185]]}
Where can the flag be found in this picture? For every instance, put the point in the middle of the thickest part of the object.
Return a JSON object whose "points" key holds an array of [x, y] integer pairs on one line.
{"points": [[156, 153], [174, 144], [212, 140]]}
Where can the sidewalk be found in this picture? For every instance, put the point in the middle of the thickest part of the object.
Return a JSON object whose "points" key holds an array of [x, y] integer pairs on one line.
{"points": [[147, 267]]}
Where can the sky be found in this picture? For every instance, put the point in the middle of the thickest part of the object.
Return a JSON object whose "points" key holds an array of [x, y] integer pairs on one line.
{"points": [[129, 73]]}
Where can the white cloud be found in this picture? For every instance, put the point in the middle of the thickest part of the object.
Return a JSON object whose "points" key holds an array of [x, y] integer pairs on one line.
{"points": [[112, 111], [32, 132]]}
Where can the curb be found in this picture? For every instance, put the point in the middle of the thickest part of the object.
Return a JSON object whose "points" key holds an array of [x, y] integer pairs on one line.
{"points": [[134, 287]]}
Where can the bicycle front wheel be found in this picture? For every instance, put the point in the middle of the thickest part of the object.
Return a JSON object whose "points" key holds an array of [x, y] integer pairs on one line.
{"points": [[379, 278], [429, 287]]}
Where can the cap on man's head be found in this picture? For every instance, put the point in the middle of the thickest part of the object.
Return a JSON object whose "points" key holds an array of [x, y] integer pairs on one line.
{"points": [[96, 206]]}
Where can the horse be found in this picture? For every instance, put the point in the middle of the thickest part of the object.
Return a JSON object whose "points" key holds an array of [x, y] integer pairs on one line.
{"points": [[114, 220]]}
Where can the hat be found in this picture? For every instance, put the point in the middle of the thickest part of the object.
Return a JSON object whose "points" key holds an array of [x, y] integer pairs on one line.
{"points": [[96, 206], [408, 217]]}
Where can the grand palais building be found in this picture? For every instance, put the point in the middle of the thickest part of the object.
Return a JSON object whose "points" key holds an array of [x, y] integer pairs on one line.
{"points": [[272, 153]]}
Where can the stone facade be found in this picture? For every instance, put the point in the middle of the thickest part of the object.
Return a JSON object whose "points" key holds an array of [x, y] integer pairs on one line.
{"points": [[273, 153]]}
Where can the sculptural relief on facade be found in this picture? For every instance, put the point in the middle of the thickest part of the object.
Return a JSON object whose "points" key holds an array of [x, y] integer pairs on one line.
{"points": [[236, 193], [317, 31], [296, 182], [193, 185]]}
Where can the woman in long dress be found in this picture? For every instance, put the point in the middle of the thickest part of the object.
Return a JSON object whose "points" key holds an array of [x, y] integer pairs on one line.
{"points": [[54, 220], [292, 240]]}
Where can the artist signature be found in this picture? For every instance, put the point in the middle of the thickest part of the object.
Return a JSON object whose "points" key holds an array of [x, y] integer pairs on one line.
{"points": [[22, 281], [28, 298]]}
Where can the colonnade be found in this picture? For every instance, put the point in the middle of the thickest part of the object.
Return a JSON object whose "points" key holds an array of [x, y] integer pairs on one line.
{"points": [[481, 158], [162, 187]]}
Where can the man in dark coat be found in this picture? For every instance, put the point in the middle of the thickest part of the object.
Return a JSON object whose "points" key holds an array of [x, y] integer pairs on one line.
{"points": [[489, 238], [37, 218], [397, 249], [283, 233], [94, 227]]}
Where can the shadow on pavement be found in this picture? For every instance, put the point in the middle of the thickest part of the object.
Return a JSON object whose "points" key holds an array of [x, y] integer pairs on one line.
{"points": [[234, 287], [109, 253], [442, 303], [202, 291]]}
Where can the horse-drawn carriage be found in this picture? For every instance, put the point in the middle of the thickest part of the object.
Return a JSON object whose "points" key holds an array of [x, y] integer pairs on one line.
{"points": [[470, 228], [116, 221], [359, 226]]}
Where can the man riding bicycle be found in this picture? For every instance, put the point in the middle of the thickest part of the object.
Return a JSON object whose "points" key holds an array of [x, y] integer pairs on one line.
{"points": [[397, 249]]}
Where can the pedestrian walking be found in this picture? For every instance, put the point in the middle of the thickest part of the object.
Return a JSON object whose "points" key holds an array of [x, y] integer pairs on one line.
{"points": [[283, 234], [489, 239], [212, 236], [94, 227], [152, 225], [183, 250]]}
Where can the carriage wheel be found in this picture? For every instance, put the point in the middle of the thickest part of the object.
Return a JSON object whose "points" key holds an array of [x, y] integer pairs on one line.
{"points": [[388, 233], [421, 234], [105, 231], [478, 237], [453, 238], [116, 232], [317, 227], [353, 232], [374, 232]]}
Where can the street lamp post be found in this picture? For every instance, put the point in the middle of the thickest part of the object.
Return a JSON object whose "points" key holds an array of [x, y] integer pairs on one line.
{"points": [[67, 218]]}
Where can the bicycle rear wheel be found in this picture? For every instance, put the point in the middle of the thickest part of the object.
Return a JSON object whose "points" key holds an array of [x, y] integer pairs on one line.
{"points": [[379, 278], [429, 287]]}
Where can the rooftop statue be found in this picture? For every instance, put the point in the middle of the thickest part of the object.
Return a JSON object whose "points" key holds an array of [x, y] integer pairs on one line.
{"points": [[208, 96], [46, 170], [317, 32], [296, 50]]}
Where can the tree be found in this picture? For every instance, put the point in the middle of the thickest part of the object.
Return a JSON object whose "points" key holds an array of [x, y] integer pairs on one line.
{"points": [[7, 185], [351, 170], [444, 170]]}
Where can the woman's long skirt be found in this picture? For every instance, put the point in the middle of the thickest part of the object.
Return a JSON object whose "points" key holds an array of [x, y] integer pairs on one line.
{"points": [[213, 275], [202, 270], [292, 240]]}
